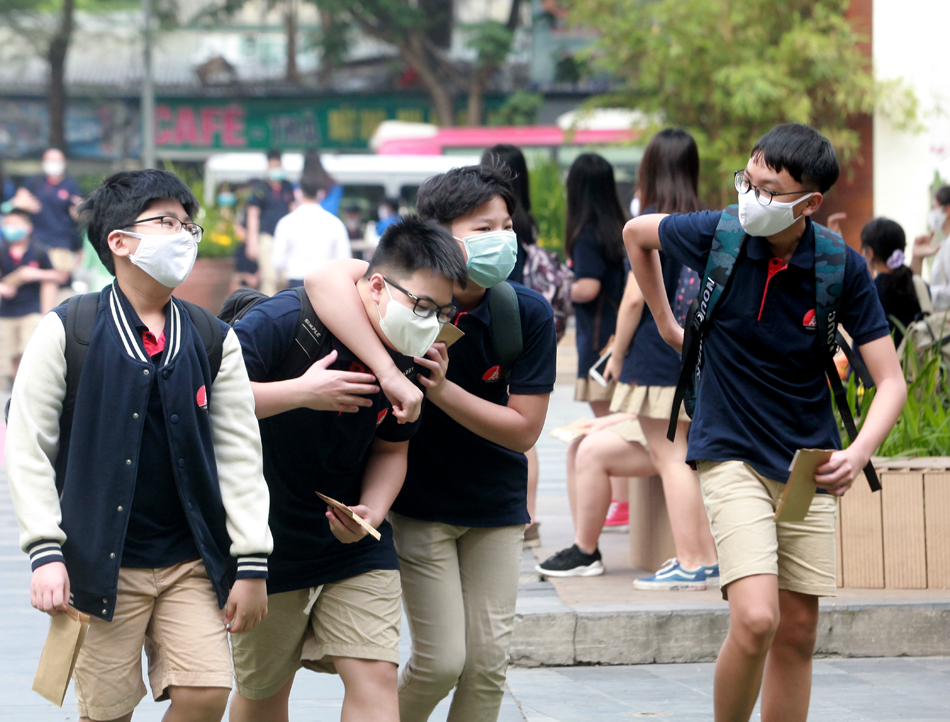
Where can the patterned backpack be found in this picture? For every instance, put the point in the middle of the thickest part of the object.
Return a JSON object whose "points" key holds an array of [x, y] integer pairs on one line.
{"points": [[544, 273]]}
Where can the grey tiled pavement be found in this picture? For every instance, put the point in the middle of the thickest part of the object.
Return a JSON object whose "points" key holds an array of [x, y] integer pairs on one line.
{"points": [[877, 690]]}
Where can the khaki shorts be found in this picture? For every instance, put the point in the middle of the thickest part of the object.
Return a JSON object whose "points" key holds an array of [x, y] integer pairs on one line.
{"points": [[62, 259], [175, 610], [654, 402], [15, 333], [357, 617], [629, 431], [590, 390], [741, 506]]}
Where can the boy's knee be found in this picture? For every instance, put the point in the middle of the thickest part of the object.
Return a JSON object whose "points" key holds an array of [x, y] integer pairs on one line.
{"points": [[200, 703], [798, 629], [441, 672], [755, 628]]}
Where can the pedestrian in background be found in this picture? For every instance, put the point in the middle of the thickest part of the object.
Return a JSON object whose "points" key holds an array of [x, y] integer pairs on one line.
{"points": [[938, 222], [329, 193], [271, 200], [594, 245], [882, 245]]}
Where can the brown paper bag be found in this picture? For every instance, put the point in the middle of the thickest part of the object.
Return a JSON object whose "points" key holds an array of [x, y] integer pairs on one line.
{"points": [[63, 642], [800, 487], [449, 334]]}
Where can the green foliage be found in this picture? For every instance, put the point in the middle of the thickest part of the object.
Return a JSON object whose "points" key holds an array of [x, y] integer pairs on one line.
{"points": [[728, 71], [923, 427], [491, 40], [520, 108], [548, 203]]}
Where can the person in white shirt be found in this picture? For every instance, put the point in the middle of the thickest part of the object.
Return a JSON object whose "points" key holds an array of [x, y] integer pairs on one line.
{"points": [[307, 237], [939, 223]]}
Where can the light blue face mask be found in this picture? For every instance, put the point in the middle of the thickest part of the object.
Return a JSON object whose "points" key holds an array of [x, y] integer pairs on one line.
{"points": [[491, 256], [13, 233]]}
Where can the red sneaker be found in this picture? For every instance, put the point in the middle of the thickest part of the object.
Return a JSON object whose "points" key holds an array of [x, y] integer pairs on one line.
{"points": [[618, 517]]}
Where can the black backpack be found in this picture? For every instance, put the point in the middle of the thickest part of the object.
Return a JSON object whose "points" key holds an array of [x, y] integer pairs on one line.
{"points": [[308, 341], [79, 323]]}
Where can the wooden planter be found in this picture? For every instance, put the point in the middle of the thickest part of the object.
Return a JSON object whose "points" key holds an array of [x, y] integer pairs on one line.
{"points": [[208, 283], [898, 538]]}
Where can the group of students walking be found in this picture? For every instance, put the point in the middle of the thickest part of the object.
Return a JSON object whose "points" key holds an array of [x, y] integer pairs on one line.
{"points": [[171, 469]]}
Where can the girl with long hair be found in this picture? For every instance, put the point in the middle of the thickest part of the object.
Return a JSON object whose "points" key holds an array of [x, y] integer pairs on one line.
{"points": [[882, 245]]}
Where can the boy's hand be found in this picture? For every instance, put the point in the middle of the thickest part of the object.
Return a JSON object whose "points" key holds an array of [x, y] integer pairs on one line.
{"points": [[834, 222], [405, 396], [247, 605], [437, 361], [7, 291], [341, 391], [839, 473], [49, 588], [346, 529], [922, 245], [29, 274], [613, 367]]}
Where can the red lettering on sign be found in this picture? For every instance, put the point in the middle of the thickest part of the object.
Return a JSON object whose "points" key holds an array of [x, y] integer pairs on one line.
{"points": [[211, 125], [186, 130], [234, 127], [163, 125]]}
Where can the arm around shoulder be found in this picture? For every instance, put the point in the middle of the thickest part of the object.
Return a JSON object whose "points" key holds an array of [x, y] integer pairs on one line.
{"points": [[237, 448]]}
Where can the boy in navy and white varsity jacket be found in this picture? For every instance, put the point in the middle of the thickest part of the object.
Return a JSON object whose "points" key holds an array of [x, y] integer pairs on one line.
{"points": [[151, 515]]}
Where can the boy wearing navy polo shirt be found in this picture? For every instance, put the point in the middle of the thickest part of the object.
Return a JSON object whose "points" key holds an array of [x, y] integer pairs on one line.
{"points": [[54, 224], [459, 521], [27, 289], [271, 200], [762, 396], [149, 510], [334, 592]]}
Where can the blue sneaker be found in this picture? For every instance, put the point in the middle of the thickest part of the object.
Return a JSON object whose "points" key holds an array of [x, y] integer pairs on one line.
{"points": [[712, 572], [673, 577]]}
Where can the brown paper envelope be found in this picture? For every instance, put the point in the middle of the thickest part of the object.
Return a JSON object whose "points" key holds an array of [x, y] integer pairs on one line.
{"points": [[571, 431], [63, 642], [346, 510], [449, 334], [800, 487]]}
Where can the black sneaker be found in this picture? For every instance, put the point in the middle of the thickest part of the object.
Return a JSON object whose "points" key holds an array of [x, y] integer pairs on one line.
{"points": [[572, 562]]}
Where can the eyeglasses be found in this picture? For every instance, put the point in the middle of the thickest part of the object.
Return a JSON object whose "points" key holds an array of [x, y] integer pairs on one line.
{"points": [[170, 225], [425, 308], [763, 195]]}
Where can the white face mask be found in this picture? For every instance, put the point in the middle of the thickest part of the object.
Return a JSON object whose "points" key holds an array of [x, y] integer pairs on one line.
{"points": [[168, 259], [936, 219], [409, 334], [764, 221], [54, 168]]}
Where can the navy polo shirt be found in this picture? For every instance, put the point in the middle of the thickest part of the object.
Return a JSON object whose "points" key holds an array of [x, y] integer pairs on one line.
{"points": [[158, 534], [455, 476], [53, 226], [763, 393], [587, 261], [274, 204], [306, 451], [27, 298]]}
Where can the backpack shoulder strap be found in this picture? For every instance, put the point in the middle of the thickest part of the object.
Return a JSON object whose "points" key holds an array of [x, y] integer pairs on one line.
{"points": [[505, 325], [726, 245], [309, 340], [80, 320], [209, 328], [831, 256]]}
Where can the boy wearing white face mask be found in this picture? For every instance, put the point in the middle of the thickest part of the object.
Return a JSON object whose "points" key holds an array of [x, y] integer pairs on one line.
{"points": [[333, 591], [459, 520], [136, 470], [762, 396]]}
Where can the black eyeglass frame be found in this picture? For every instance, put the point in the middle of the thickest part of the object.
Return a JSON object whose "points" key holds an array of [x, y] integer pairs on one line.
{"points": [[740, 178], [187, 225], [445, 314]]}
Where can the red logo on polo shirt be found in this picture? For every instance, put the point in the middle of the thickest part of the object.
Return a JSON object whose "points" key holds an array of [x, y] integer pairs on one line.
{"points": [[202, 398], [63, 193], [382, 415], [493, 374], [810, 322], [357, 368]]}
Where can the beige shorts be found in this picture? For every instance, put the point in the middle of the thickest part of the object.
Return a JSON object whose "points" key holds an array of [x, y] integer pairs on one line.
{"points": [[15, 333], [590, 390], [654, 402], [357, 617], [629, 431], [62, 259], [175, 610], [741, 505]]}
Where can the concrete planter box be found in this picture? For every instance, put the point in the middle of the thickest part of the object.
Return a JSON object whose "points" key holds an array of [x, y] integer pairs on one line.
{"points": [[896, 539]]}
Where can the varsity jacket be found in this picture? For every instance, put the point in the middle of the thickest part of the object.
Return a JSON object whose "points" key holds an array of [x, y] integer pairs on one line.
{"points": [[80, 515]]}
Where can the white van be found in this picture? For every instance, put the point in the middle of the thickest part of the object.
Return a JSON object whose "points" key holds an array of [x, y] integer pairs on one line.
{"points": [[366, 179]]}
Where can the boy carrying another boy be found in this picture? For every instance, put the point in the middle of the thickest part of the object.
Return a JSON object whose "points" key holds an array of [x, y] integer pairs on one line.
{"points": [[762, 396], [459, 521], [135, 510], [28, 286], [334, 593]]}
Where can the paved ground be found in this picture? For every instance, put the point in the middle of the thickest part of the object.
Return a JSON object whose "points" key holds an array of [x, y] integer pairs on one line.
{"points": [[878, 690]]}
